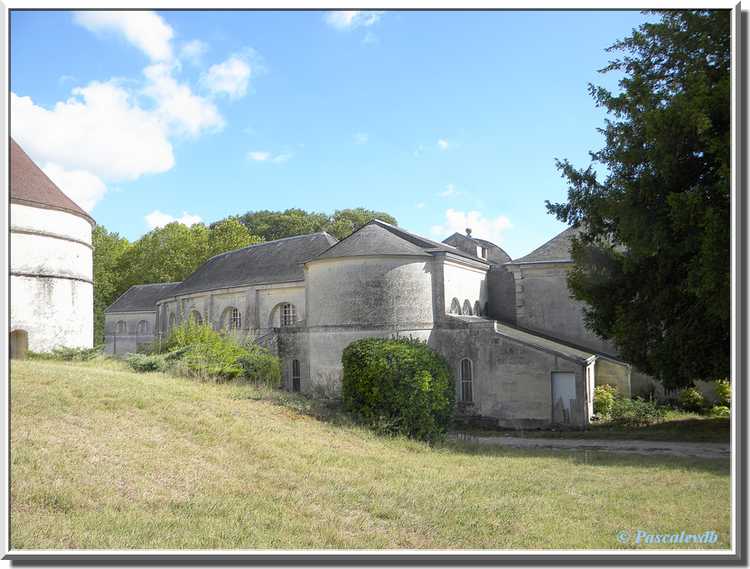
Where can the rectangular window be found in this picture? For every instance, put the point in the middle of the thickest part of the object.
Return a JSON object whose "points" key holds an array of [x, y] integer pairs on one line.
{"points": [[295, 375]]}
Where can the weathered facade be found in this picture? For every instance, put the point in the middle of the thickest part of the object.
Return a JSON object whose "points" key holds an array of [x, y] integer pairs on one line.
{"points": [[509, 329], [51, 270]]}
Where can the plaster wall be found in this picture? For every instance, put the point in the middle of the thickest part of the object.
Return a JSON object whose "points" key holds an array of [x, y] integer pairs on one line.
{"points": [[116, 342], [464, 283], [544, 304], [55, 312]]}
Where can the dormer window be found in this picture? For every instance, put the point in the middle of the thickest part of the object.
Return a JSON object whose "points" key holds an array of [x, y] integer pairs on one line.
{"points": [[484, 252]]}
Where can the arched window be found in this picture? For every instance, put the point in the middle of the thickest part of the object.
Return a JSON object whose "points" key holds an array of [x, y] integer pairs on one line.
{"points": [[288, 315], [143, 327], [467, 378], [196, 317], [467, 308], [477, 309], [296, 376], [235, 319], [455, 307], [122, 327], [172, 320]]}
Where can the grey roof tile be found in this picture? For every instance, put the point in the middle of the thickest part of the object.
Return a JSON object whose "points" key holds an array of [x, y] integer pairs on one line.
{"points": [[141, 298], [556, 249]]}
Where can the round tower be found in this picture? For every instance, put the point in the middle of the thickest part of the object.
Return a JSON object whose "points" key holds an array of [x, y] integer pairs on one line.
{"points": [[51, 261]]}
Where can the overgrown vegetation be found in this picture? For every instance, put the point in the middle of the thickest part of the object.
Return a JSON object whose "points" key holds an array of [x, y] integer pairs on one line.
{"points": [[197, 350], [398, 386], [67, 354]]}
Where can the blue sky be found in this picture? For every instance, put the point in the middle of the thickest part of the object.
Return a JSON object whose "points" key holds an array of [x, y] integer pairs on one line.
{"points": [[442, 119]]}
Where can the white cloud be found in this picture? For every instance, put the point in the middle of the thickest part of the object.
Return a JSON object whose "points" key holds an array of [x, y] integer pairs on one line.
{"points": [[99, 129], [350, 19], [450, 191], [361, 138], [182, 111], [491, 229], [228, 78], [193, 50], [145, 30], [264, 156], [82, 187], [370, 38], [159, 219], [442, 144], [420, 205]]}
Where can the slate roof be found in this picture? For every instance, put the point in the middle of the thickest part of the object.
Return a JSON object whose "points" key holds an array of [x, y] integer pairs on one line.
{"points": [[556, 249], [502, 255], [30, 186], [544, 344], [270, 262], [381, 238], [141, 298]]}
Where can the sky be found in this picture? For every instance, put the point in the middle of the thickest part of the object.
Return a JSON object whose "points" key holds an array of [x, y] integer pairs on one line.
{"points": [[445, 120]]}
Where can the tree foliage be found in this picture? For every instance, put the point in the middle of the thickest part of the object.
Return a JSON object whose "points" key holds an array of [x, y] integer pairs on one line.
{"points": [[652, 260], [272, 225], [109, 248]]}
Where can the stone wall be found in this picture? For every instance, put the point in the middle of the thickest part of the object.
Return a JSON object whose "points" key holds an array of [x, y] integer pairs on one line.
{"points": [[136, 335]]}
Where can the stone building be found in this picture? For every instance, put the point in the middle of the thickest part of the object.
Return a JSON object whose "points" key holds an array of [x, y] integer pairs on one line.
{"points": [[509, 329], [51, 271]]}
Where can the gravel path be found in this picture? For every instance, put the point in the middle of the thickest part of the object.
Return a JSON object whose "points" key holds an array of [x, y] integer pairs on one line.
{"points": [[699, 450]]}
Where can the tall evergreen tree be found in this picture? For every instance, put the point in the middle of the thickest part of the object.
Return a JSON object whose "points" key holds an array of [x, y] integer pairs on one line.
{"points": [[652, 262]]}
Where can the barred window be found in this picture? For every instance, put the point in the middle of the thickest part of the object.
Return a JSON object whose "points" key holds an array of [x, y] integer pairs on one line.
{"points": [[467, 308], [288, 315], [235, 320], [121, 327], [196, 317], [477, 309], [467, 378], [455, 307], [143, 327]]}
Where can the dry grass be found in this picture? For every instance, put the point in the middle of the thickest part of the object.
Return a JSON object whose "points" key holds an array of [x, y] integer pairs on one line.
{"points": [[105, 458]]}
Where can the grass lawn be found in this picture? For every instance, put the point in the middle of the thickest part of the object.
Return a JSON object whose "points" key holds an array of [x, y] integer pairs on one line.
{"points": [[105, 458], [677, 426]]}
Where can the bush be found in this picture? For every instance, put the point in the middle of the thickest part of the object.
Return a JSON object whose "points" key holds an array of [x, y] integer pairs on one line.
{"points": [[636, 412], [147, 362], [690, 399], [260, 366], [723, 390], [398, 386], [604, 399], [67, 354], [720, 411]]}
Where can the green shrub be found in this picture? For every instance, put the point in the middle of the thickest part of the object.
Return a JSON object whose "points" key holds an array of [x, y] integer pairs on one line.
{"points": [[636, 412], [719, 411], [604, 399], [147, 362], [188, 334], [67, 354], [690, 399], [260, 366], [723, 390], [398, 386]]}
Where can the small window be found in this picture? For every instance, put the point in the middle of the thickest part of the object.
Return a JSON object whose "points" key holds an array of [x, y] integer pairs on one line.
{"points": [[467, 308], [295, 375], [122, 327], [477, 309], [455, 307], [235, 320], [196, 317], [484, 252], [288, 315], [467, 376], [143, 327]]}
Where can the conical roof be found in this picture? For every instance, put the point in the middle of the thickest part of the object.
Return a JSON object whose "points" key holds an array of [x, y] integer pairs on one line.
{"points": [[29, 185]]}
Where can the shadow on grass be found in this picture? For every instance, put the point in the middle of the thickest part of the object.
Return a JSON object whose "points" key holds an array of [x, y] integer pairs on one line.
{"points": [[331, 411]]}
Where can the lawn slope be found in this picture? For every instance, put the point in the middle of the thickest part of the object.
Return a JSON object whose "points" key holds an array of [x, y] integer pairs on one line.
{"points": [[105, 458]]}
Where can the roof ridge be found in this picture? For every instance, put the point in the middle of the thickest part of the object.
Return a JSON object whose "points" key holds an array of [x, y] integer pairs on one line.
{"points": [[289, 238]]}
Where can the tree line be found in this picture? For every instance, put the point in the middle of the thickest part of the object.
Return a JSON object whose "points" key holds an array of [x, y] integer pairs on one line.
{"points": [[172, 252]]}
